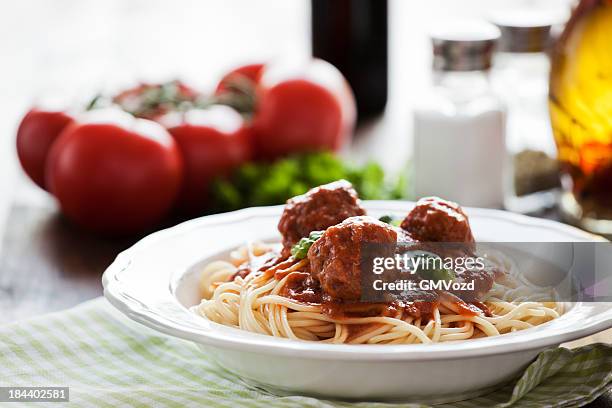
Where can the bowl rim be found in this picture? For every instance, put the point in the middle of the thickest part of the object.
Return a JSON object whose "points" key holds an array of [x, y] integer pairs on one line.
{"points": [[162, 319]]}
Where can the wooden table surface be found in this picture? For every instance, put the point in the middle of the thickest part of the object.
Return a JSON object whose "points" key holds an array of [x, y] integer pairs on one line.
{"points": [[48, 265]]}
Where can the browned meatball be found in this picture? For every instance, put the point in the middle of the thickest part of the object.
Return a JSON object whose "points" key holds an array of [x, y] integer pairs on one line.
{"points": [[436, 220], [319, 208], [335, 257]]}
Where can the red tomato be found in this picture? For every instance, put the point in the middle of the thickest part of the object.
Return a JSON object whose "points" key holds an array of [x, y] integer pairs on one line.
{"points": [[150, 101], [249, 73], [113, 173], [213, 142], [302, 108], [37, 132]]}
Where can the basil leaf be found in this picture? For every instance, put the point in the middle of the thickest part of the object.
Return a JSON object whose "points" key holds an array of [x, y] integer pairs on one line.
{"points": [[300, 250], [389, 219]]}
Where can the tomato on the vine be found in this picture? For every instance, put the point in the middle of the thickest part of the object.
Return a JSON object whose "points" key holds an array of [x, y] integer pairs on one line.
{"points": [[237, 88], [303, 107], [37, 131], [213, 142], [113, 173], [150, 101], [233, 79]]}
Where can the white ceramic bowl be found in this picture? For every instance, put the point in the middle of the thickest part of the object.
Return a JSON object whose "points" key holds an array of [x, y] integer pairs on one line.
{"points": [[155, 282]]}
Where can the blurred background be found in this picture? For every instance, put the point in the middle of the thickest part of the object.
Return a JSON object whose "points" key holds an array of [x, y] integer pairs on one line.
{"points": [[63, 52], [69, 50]]}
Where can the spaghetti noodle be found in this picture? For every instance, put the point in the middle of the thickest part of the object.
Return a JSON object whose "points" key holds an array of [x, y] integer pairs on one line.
{"points": [[251, 292]]}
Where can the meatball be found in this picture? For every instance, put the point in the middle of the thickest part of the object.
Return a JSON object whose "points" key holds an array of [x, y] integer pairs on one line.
{"points": [[403, 236], [335, 257], [319, 208], [436, 220]]}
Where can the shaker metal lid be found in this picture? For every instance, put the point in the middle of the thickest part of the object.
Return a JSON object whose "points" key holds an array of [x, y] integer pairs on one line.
{"points": [[528, 30], [464, 45]]}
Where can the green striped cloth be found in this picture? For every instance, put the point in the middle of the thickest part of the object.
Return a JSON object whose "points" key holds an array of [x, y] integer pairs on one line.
{"points": [[109, 361]]}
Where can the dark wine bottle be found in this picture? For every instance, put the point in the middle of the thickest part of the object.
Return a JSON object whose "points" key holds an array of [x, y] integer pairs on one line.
{"points": [[352, 35]]}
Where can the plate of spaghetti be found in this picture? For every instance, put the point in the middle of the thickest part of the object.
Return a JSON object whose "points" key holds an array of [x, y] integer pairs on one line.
{"points": [[279, 296]]}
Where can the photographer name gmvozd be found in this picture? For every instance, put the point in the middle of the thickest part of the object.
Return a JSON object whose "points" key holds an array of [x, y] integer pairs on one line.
{"points": [[431, 269], [405, 285]]}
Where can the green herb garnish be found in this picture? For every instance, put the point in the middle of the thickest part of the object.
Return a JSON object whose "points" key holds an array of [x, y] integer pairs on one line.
{"points": [[264, 183], [300, 250], [434, 272], [389, 219], [437, 274]]}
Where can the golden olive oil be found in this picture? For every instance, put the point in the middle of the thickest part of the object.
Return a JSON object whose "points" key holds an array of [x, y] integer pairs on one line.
{"points": [[581, 113]]}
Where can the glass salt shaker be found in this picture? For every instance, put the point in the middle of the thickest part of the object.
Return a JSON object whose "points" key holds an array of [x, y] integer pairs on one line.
{"points": [[459, 127]]}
